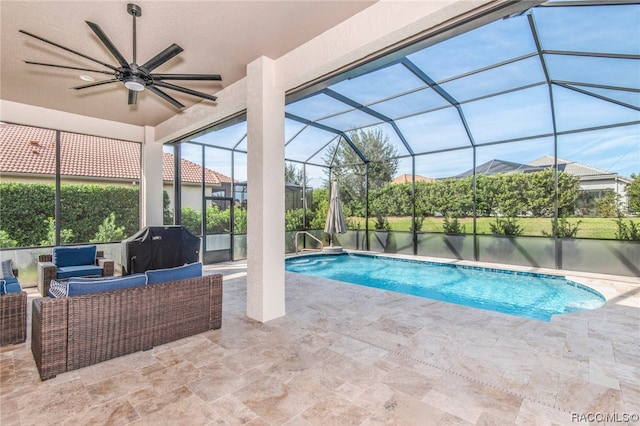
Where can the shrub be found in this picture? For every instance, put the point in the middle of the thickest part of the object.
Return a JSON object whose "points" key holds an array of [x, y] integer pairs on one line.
{"points": [[293, 220], [108, 231], [606, 204], [239, 220], [192, 220], [27, 207], [381, 224], [6, 240], [417, 224], [633, 192], [217, 220], [452, 226], [167, 212], [627, 231], [66, 235], [506, 226], [564, 230]]}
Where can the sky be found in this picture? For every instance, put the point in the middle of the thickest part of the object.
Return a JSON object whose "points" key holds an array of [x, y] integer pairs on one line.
{"points": [[588, 92]]}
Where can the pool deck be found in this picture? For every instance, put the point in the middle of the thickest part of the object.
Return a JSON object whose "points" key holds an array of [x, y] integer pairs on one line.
{"points": [[351, 355]]}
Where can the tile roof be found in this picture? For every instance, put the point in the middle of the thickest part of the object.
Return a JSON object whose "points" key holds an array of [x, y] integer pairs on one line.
{"points": [[191, 172], [572, 167], [31, 150], [406, 178]]}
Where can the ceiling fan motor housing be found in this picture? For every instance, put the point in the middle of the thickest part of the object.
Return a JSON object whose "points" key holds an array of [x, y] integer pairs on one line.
{"points": [[134, 10]]}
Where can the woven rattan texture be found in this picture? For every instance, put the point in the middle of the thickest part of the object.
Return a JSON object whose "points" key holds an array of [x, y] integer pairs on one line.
{"points": [[47, 270], [13, 318], [74, 332]]}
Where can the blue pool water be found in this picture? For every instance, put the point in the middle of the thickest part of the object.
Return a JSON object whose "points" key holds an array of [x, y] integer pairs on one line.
{"points": [[529, 295]]}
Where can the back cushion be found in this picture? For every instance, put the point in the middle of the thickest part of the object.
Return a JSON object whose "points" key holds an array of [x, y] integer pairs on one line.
{"points": [[190, 270], [74, 256], [6, 271], [97, 285]]}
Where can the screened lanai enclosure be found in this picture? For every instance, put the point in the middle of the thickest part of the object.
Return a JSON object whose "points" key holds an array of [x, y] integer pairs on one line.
{"points": [[514, 141]]}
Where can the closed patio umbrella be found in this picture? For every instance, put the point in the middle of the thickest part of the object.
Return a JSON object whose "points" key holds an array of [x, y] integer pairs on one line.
{"points": [[335, 219]]}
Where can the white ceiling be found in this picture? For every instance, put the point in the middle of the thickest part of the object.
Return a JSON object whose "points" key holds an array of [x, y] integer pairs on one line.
{"points": [[218, 37]]}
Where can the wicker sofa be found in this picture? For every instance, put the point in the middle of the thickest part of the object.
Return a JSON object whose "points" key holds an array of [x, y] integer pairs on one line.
{"points": [[48, 270], [74, 332], [13, 313], [13, 318]]}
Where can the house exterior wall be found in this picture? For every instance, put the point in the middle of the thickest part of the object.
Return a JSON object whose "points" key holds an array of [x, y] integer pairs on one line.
{"points": [[191, 194], [595, 187]]}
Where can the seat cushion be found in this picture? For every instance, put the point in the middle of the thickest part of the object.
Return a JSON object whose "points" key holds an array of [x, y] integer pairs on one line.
{"points": [[190, 270], [79, 271], [10, 285], [74, 256], [75, 288]]}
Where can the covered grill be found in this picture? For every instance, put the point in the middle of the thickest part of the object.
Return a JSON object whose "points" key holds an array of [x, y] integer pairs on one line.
{"points": [[158, 247]]}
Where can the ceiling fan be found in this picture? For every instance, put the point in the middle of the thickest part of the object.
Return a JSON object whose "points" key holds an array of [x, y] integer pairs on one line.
{"points": [[135, 77]]}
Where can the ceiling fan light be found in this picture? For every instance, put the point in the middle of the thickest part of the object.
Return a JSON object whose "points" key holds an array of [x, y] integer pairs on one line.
{"points": [[135, 84]]}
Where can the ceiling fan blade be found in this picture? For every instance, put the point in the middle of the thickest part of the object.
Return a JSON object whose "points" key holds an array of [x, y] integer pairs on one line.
{"points": [[161, 58], [69, 50], [97, 83], [165, 97], [184, 90], [67, 67], [133, 97], [185, 77], [108, 44]]}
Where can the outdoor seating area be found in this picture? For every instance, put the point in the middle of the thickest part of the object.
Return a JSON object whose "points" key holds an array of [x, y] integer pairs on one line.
{"points": [[68, 262], [80, 330]]}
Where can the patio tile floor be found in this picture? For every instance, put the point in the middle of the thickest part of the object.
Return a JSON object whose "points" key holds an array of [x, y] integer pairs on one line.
{"points": [[352, 355]]}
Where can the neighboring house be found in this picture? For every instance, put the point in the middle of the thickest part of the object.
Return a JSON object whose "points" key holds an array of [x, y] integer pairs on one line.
{"points": [[27, 154], [593, 182]]}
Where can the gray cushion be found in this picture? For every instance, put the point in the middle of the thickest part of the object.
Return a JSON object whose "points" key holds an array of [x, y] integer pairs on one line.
{"points": [[6, 269]]}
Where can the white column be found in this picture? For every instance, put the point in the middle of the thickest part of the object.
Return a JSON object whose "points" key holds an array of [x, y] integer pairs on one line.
{"points": [[151, 180], [265, 177]]}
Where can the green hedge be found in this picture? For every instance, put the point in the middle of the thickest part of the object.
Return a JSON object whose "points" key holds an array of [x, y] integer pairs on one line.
{"points": [[26, 207]]}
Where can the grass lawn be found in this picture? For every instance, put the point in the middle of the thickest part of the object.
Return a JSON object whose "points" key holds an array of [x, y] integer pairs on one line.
{"points": [[589, 227]]}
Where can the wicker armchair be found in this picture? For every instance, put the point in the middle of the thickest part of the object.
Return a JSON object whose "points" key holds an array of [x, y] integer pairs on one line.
{"points": [[48, 271], [13, 317]]}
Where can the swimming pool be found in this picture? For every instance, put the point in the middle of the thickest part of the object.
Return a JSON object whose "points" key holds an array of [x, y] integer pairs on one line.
{"points": [[524, 294]]}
